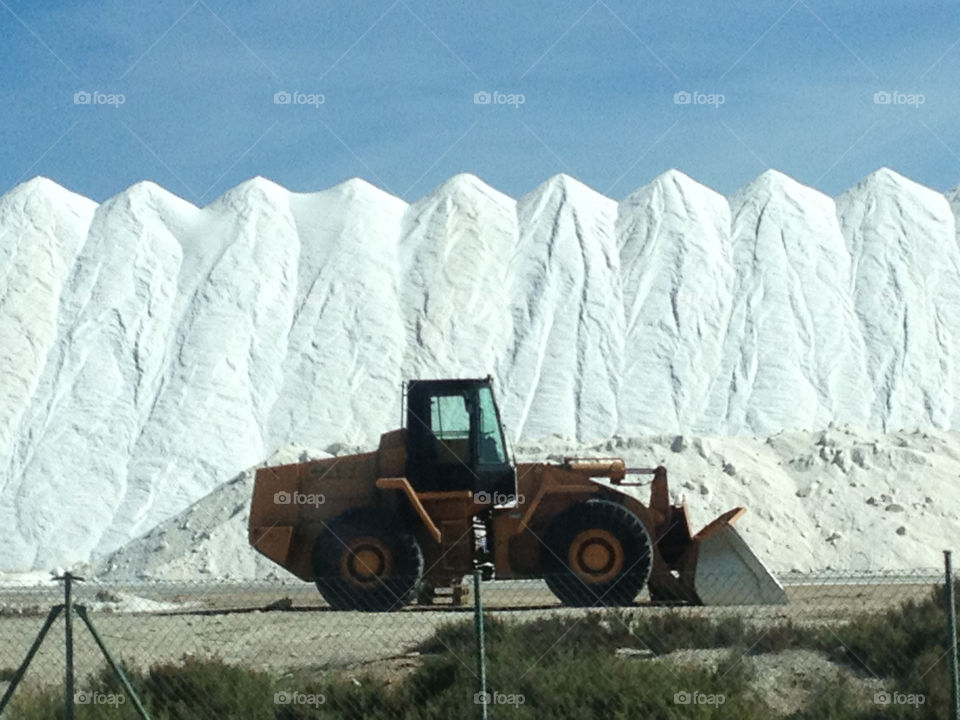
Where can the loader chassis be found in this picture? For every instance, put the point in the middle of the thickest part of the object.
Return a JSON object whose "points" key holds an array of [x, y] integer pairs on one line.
{"points": [[374, 530]]}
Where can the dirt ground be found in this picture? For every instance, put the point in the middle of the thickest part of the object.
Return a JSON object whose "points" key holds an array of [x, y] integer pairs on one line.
{"points": [[149, 624]]}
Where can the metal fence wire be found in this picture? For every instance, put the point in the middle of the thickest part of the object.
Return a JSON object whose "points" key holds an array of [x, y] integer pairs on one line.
{"points": [[845, 645]]}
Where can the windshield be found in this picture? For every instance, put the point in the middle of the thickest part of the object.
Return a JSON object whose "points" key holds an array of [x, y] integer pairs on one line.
{"points": [[491, 437]]}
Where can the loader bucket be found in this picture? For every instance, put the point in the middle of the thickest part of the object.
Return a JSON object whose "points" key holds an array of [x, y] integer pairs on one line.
{"points": [[729, 573]]}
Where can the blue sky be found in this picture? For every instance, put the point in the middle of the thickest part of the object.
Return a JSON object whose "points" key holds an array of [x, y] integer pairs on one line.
{"points": [[787, 84]]}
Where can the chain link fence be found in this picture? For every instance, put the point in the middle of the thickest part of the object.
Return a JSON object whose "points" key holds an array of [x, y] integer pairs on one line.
{"points": [[846, 645]]}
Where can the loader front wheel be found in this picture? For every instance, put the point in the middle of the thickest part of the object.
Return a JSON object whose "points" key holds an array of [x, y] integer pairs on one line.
{"points": [[598, 553], [362, 561]]}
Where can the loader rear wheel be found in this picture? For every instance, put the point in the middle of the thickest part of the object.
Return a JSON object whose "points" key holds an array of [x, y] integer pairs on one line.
{"points": [[362, 561], [598, 553]]}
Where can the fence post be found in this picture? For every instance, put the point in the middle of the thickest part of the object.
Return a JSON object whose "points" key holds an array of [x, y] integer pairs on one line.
{"points": [[68, 618], [481, 696], [952, 646], [70, 697]]}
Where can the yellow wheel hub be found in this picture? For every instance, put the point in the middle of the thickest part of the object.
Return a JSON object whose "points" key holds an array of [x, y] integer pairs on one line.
{"points": [[366, 562], [596, 556]]}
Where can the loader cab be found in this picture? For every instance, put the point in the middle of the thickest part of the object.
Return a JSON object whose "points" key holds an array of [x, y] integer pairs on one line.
{"points": [[455, 438]]}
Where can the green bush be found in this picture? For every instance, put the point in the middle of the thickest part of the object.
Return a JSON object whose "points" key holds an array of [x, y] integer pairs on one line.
{"points": [[906, 645], [199, 689], [834, 701]]}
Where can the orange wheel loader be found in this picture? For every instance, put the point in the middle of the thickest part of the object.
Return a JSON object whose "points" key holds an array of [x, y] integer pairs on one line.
{"points": [[442, 495]]}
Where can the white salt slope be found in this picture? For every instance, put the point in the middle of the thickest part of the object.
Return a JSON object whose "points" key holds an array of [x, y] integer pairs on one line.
{"points": [[952, 300], [562, 371], [184, 344], [676, 273], [905, 282], [223, 351], [42, 228], [842, 499], [164, 378], [342, 370], [226, 350], [792, 351], [455, 254], [89, 408]]}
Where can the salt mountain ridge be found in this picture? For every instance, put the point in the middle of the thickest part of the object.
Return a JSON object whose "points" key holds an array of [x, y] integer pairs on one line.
{"points": [[152, 349]]}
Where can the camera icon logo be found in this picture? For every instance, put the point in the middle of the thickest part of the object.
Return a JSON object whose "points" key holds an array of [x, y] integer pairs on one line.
{"points": [[481, 98], [282, 498], [881, 98], [81, 98], [882, 698], [482, 498], [281, 98], [282, 698], [82, 698], [481, 698], [682, 698], [681, 98]]}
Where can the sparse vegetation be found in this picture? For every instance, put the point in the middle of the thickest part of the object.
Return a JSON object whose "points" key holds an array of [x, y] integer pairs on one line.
{"points": [[569, 667]]}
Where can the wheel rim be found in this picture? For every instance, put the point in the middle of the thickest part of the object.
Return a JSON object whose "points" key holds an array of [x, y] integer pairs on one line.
{"points": [[596, 556], [366, 562]]}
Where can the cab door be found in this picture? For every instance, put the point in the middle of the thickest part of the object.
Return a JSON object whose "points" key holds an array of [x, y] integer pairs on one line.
{"points": [[455, 440], [440, 447]]}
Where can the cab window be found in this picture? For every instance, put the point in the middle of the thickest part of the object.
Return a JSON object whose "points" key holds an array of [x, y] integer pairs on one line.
{"points": [[491, 438], [450, 428], [449, 418]]}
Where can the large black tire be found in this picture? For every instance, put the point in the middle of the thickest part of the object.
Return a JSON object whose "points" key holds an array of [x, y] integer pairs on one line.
{"points": [[598, 553], [362, 561]]}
